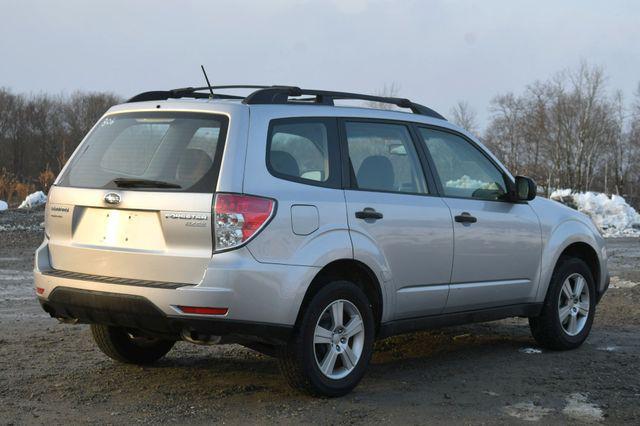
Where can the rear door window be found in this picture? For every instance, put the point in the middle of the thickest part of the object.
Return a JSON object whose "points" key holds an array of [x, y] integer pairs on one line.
{"points": [[183, 150], [383, 158]]}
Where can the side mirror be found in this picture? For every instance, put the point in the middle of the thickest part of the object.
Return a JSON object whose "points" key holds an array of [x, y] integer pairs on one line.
{"points": [[526, 188]]}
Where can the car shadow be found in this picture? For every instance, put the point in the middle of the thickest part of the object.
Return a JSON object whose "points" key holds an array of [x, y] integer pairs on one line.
{"points": [[236, 367]]}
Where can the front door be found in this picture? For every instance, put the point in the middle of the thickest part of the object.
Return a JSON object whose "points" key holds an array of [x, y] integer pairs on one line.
{"points": [[497, 242], [395, 217]]}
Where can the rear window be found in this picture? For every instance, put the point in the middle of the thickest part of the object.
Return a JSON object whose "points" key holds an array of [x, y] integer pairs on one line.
{"points": [[304, 150], [182, 150]]}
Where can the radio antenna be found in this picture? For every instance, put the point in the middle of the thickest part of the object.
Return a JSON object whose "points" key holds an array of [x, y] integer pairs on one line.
{"points": [[207, 79]]}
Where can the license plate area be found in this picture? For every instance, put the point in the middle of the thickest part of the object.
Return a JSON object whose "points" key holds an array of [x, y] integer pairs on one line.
{"points": [[125, 229]]}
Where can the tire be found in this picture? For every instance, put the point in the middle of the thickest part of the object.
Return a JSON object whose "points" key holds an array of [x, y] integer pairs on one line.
{"points": [[548, 329], [118, 344], [301, 359]]}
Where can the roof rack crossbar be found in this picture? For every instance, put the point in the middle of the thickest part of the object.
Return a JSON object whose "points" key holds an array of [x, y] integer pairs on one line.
{"points": [[282, 95]]}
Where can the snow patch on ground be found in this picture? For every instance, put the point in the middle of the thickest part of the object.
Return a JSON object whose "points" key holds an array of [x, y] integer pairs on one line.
{"points": [[3, 205], [530, 351], [579, 408], [608, 348], [33, 200], [612, 215], [616, 282], [527, 411]]}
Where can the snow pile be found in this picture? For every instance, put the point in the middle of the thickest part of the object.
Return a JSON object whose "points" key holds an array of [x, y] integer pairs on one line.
{"points": [[3, 205], [33, 200], [466, 182], [612, 215]]}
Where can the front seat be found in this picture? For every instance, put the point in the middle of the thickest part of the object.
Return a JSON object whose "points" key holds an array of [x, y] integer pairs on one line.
{"points": [[283, 162], [193, 164], [376, 172]]}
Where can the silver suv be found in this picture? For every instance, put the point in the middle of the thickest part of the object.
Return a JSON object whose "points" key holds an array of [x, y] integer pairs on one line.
{"points": [[303, 230]]}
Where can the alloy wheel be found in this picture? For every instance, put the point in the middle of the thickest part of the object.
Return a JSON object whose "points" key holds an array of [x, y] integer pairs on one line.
{"points": [[338, 339], [573, 304]]}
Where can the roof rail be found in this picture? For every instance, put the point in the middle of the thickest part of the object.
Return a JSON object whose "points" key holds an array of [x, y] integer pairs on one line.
{"points": [[281, 95], [191, 92]]}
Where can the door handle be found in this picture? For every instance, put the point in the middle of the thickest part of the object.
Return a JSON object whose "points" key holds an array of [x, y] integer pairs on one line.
{"points": [[465, 217], [368, 213]]}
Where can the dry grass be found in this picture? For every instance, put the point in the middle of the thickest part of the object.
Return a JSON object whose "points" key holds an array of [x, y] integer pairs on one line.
{"points": [[46, 178], [12, 190]]}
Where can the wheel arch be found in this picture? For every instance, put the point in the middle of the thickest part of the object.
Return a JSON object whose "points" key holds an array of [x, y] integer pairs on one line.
{"points": [[355, 271], [574, 239], [585, 252]]}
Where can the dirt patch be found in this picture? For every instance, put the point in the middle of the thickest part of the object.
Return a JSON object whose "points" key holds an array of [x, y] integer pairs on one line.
{"points": [[487, 373]]}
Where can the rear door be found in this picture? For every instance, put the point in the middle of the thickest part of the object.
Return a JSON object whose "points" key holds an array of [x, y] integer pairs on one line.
{"points": [[394, 216], [497, 242], [135, 200]]}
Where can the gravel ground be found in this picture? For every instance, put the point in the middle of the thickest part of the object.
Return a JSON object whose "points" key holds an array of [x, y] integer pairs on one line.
{"points": [[490, 373]]}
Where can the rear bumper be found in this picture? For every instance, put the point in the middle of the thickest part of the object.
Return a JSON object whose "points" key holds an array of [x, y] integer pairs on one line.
{"points": [[604, 288], [262, 299], [136, 312]]}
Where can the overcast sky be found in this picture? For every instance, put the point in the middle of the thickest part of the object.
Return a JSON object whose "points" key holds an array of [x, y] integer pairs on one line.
{"points": [[438, 52]]}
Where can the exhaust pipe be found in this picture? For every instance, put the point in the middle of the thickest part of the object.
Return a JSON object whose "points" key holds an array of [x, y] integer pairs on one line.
{"points": [[49, 309], [200, 339], [67, 320]]}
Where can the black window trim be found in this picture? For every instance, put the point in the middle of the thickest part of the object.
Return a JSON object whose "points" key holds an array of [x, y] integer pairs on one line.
{"points": [[425, 166], [423, 145], [333, 146]]}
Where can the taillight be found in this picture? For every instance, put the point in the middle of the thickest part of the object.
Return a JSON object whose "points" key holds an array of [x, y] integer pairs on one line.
{"points": [[237, 218]]}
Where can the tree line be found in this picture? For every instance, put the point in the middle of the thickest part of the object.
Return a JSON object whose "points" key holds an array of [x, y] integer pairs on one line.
{"points": [[568, 131], [38, 134]]}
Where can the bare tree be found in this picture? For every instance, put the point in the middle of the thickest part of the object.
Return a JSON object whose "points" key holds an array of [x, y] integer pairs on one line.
{"points": [[632, 182], [39, 132], [565, 132], [464, 116], [387, 91]]}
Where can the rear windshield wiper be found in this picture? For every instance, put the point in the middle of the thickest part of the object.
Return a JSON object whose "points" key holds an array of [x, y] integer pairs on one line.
{"points": [[143, 183]]}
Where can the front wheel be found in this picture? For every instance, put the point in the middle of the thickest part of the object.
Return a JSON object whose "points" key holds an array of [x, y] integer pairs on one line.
{"points": [[332, 347], [126, 346], [568, 311]]}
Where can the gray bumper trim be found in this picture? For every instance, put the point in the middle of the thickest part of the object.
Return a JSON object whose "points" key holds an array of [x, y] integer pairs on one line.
{"points": [[113, 280]]}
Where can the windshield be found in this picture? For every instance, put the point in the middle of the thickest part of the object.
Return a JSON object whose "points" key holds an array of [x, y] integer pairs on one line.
{"points": [[172, 151]]}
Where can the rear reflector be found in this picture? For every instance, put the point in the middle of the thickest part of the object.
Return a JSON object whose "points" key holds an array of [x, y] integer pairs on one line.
{"points": [[39, 290], [203, 311]]}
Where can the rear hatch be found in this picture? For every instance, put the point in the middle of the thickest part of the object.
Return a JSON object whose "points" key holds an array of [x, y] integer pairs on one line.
{"points": [[135, 200]]}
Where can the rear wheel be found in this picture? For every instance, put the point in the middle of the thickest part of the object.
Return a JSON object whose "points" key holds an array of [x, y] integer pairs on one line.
{"points": [[332, 347], [568, 311], [126, 346]]}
